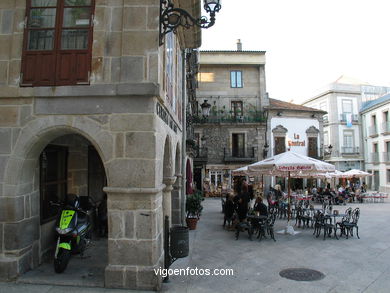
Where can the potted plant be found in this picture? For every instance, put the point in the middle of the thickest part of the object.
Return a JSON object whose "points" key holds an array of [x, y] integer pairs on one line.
{"points": [[193, 209]]}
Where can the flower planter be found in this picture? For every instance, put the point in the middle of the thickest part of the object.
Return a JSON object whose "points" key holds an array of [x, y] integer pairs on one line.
{"points": [[191, 223]]}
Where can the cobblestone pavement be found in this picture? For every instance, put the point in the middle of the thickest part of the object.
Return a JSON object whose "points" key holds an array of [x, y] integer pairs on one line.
{"points": [[349, 265]]}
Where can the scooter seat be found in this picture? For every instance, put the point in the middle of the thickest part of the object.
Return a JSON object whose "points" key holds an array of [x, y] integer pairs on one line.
{"points": [[82, 219]]}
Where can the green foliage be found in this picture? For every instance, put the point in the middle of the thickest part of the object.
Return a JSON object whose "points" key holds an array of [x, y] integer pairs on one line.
{"points": [[194, 204]]}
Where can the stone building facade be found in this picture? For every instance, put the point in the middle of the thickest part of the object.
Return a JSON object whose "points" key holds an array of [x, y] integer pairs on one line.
{"points": [[102, 91], [295, 128], [233, 83], [376, 132], [342, 99]]}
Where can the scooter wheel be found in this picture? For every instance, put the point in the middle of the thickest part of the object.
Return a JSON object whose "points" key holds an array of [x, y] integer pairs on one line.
{"points": [[62, 260]]}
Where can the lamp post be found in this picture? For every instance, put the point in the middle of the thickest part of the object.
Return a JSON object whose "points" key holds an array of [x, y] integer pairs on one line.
{"points": [[265, 150], [171, 18], [328, 150], [205, 109]]}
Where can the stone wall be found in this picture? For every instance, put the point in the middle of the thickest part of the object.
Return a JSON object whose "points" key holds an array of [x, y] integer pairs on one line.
{"points": [[132, 148]]}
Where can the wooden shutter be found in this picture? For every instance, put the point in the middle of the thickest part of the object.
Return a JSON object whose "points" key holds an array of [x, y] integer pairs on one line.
{"points": [[57, 42]]}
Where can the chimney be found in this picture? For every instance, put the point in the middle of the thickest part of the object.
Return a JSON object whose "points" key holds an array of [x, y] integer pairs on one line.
{"points": [[239, 45]]}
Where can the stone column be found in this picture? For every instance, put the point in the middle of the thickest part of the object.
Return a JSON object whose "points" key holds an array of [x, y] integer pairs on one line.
{"points": [[176, 201], [167, 197], [135, 238]]}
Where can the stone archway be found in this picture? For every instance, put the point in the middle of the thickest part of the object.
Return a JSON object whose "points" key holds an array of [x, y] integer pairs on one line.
{"points": [[21, 223]]}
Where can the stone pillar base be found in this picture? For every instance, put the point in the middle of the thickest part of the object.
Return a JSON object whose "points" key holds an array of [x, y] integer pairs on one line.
{"points": [[8, 268], [131, 277]]}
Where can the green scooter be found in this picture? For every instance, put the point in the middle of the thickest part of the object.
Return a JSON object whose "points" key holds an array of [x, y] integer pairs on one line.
{"points": [[74, 232]]}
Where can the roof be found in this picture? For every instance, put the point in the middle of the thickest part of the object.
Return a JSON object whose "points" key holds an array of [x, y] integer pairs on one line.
{"points": [[344, 79], [371, 104], [231, 51], [282, 105]]}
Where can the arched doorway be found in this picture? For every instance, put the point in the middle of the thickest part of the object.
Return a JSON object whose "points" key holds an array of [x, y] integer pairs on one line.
{"points": [[50, 160], [176, 192]]}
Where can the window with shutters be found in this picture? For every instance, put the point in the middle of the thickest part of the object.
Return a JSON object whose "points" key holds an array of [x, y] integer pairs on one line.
{"points": [[57, 47]]}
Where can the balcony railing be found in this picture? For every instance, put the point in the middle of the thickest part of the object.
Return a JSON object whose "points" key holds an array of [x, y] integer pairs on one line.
{"points": [[386, 157], [375, 157], [386, 127], [240, 155], [343, 117], [372, 130], [349, 150], [256, 117], [201, 154]]}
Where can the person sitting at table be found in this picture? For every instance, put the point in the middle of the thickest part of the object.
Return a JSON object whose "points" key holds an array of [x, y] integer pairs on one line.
{"points": [[229, 211], [358, 195], [278, 193], [260, 207], [363, 188], [243, 202]]}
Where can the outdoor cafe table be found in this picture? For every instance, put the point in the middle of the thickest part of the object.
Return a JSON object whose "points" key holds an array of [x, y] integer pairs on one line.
{"points": [[335, 216], [301, 197]]}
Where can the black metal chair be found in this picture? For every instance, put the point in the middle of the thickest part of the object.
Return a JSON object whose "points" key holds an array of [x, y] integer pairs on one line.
{"points": [[346, 219], [353, 223], [270, 225], [317, 223]]}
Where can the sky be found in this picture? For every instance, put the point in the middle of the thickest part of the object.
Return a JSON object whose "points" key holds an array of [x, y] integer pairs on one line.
{"points": [[308, 43]]}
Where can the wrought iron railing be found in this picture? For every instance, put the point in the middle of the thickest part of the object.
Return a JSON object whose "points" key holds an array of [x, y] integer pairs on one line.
{"points": [[349, 150], [202, 153], [375, 157], [229, 118], [240, 154], [386, 126], [354, 117], [372, 130]]}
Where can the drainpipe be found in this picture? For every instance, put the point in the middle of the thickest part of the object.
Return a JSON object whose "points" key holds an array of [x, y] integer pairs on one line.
{"points": [[183, 142]]}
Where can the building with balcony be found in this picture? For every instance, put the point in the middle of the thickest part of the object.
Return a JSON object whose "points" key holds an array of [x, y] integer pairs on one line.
{"points": [[295, 128], [376, 133], [91, 104], [234, 134], [342, 100]]}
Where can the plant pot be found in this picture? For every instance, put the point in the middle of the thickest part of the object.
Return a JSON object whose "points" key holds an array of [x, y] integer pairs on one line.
{"points": [[191, 223]]}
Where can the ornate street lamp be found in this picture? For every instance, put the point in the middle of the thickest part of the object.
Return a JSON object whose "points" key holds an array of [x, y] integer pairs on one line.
{"points": [[328, 150], [205, 108], [265, 150], [171, 18]]}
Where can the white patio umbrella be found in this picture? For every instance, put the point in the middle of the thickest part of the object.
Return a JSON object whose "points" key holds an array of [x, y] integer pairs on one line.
{"points": [[336, 174], [290, 164], [355, 173], [243, 171]]}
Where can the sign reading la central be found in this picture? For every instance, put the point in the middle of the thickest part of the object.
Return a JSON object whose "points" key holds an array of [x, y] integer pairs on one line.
{"points": [[296, 141]]}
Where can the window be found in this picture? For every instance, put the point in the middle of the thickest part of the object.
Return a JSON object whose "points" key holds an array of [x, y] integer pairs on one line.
{"points": [[280, 145], [375, 148], [388, 175], [347, 106], [238, 145], [236, 108], [53, 179], [348, 139], [313, 147], [57, 43], [235, 78], [388, 146]]}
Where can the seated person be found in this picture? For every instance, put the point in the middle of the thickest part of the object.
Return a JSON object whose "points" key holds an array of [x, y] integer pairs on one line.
{"points": [[260, 207], [229, 211]]}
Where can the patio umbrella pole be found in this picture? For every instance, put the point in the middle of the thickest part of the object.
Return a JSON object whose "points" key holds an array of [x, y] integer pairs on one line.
{"points": [[289, 197]]}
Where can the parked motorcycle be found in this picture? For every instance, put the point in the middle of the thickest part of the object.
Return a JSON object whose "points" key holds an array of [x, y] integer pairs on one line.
{"points": [[74, 232]]}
